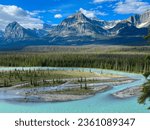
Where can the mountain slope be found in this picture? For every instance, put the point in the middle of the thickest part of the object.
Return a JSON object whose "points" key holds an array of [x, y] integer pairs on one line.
{"points": [[142, 20], [78, 25], [1, 34], [126, 28], [15, 31]]}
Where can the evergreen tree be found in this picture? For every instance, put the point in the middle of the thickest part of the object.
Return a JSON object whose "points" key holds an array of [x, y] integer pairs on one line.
{"points": [[148, 36], [145, 93]]}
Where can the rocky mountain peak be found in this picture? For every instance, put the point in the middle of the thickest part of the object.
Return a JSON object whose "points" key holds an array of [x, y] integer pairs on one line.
{"points": [[78, 25], [13, 26], [141, 20], [15, 31], [145, 17], [78, 17]]}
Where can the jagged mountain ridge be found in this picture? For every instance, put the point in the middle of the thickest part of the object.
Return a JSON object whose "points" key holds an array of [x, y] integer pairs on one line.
{"points": [[78, 28], [141, 20], [81, 26], [126, 28], [78, 25]]}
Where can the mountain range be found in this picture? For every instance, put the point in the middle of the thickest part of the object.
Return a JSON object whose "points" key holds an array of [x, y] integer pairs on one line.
{"points": [[78, 29]]}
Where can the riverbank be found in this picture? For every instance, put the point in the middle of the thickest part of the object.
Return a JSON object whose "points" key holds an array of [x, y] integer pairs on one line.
{"points": [[60, 96], [61, 93], [128, 92], [100, 102], [72, 86]]}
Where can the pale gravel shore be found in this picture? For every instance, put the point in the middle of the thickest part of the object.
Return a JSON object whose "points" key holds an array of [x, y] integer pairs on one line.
{"points": [[49, 98], [43, 97], [52, 97], [57, 98], [129, 92]]}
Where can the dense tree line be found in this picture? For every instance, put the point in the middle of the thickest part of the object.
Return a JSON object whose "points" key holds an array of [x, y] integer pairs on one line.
{"points": [[123, 62], [30, 78], [148, 36]]}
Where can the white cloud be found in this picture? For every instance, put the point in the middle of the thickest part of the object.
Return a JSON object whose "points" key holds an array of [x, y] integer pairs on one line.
{"points": [[58, 16], [131, 6], [11, 13], [91, 13], [101, 1], [54, 10], [36, 12]]}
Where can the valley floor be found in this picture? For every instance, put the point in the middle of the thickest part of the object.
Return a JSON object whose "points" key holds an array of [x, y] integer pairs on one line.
{"points": [[89, 49]]}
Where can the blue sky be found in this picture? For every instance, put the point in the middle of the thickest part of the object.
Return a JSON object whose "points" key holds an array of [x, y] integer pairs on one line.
{"points": [[32, 13]]}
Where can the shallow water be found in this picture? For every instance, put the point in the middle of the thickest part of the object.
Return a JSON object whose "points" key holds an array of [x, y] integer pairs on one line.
{"points": [[101, 103]]}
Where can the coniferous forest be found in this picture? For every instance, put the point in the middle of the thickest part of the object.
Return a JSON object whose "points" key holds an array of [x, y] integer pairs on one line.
{"points": [[122, 62]]}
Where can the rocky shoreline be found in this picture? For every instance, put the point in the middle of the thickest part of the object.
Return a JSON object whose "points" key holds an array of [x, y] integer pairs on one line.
{"points": [[64, 94], [72, 89], [53, 97], [129, 92]]}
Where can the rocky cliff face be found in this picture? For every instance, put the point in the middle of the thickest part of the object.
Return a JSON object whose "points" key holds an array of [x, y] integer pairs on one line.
{"points": [[16, 32], [142, 20], [78, 25], [119, 26]]}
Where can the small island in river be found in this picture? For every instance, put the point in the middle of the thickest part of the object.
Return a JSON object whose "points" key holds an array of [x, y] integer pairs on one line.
{"points": [[128, 92]]}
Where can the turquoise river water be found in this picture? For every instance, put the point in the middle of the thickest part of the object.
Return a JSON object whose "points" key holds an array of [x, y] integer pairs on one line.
{"points": [[100, 103]]}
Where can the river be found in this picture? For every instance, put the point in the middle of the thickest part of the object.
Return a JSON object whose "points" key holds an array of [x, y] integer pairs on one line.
{"points": [[100, 103]]}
